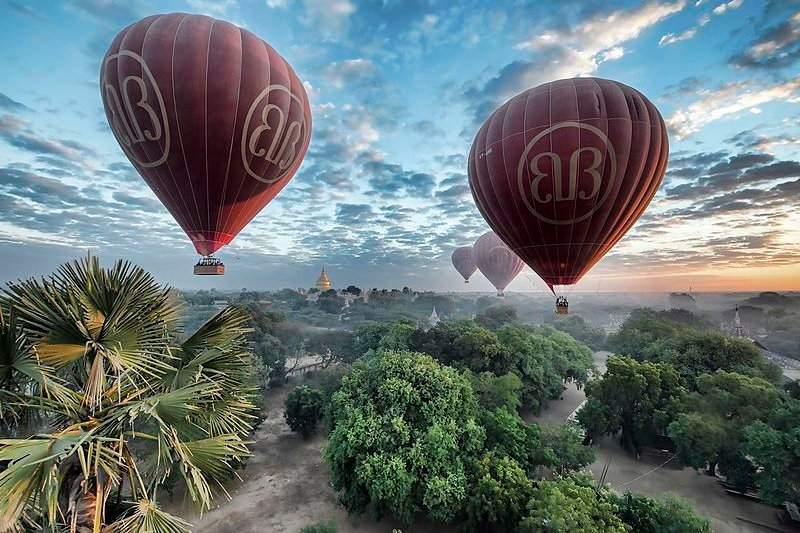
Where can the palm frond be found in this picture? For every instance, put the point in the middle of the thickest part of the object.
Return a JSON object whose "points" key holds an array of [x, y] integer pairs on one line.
{"points": [[207, 460], [31, 471], [225, 327], [147, 517]]}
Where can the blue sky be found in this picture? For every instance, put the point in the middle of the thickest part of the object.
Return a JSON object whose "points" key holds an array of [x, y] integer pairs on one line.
{"points": [[398, 89]]}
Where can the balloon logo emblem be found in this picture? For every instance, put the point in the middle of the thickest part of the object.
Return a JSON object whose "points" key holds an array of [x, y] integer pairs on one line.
{"points": [[282, 149], [137, 117], [584, 181]]}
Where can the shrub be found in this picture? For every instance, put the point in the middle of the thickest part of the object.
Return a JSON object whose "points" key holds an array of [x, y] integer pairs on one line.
{"points": [[303, 410]]}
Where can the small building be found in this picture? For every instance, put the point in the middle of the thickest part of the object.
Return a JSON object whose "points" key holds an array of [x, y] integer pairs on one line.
{"points": [[220, 303]]}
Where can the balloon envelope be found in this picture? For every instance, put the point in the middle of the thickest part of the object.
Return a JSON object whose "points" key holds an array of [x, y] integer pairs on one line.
{"points": [[464, 260], [214, 120], [496, 261], [562, 171]]}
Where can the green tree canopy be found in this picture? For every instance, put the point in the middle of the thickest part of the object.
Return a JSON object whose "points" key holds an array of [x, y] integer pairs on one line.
{"points": [[403, 431], [711, 432], [637, 398], [567, 505]]}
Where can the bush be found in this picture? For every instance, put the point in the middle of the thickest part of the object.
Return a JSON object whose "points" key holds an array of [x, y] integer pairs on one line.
{"points": [[323, 526], [303, 410]]}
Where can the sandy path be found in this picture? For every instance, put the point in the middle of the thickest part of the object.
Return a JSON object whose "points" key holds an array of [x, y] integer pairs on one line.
{"points": [[284, 487]]}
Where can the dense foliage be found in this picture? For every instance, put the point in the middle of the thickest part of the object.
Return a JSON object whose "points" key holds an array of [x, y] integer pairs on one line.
{"points": [[714, 395], [670, 515], [303, 410], [638, 399], [402, 431], [570, 504], [125, 407]]}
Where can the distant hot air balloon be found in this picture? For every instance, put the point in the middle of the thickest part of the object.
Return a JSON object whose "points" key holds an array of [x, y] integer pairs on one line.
{"points": [[214, 120], [562, 171], [464, 260], [496, 261]]}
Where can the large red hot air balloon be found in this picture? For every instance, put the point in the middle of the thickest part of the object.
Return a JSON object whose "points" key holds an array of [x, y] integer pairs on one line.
{"points": [[496, 261], [464, 260], [212, 117], [562, 171]]}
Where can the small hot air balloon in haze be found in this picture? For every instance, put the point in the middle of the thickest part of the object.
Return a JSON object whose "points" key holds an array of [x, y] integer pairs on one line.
{"points": [[464, 260], [496, 261], [212, 117], [562, 171]]}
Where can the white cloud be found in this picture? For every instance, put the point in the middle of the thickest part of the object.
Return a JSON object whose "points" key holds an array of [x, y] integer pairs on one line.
{"points": [[580, 49], [671, 38], [769, 47], [728, 101], [272, 4], [330, 18], [724, 6], [349, 71]]}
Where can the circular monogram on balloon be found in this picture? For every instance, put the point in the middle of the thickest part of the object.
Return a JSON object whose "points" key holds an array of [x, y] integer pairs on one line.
{"points": [[135, 109], [566, 185], [272, 138]]}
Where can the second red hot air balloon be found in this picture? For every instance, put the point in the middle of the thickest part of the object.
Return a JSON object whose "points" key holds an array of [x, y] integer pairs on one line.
{"points": [[496, 261], [212, 117], [562, 171], [464, 261]]}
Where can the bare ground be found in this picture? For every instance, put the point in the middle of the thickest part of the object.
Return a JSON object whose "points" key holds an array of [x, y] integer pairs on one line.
{"points": [[285, 486]]}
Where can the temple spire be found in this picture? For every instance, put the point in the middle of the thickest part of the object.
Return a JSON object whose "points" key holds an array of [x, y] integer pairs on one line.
{"points": [[323, 282]]}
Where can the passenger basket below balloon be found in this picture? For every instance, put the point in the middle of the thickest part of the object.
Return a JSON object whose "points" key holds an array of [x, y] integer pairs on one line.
{"points": [[209, 270]]}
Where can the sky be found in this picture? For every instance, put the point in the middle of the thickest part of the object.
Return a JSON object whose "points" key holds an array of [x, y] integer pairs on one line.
{"points": [[398, 90]]}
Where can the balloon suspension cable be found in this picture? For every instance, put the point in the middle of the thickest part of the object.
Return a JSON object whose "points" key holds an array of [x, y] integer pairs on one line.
{"points": [[209, 265]]}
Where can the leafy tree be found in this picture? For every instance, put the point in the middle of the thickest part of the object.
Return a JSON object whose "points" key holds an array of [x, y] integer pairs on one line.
{"points": [[498, 494], [545, 359], [402, 431], [774, 446], [580, 330], [637, 398], [496, 316], [570, 504], [352, 289], [375, 337], [670, 515], [95, 351], [496, 391], [640, 331], [562, 449], [712, 432], [334, 346], [464, 344], [303, 410], [507, 435]]}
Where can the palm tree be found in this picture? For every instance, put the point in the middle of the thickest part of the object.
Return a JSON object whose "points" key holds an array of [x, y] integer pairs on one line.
{"points": [[91, 362]]}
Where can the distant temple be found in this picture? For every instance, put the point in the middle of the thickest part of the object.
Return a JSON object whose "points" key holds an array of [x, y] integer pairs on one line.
{"points": [[434, 318], [323, 283]]}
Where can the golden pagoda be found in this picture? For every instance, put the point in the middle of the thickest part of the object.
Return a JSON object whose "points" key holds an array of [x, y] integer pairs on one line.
{"points": [[323, 283]]}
